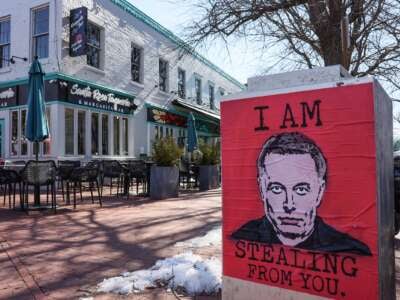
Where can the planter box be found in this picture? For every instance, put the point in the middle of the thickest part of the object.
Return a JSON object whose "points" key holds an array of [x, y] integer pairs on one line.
{"points": [[164, 182], [208, 177]]}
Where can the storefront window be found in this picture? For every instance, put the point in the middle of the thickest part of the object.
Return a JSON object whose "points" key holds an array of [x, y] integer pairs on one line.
{"points": [[69, 131], [24, 142], [181, 137], [95, 134], [81, 132], [47, 142], [156, 132], [125, 135], [116, 136], [104, 133], [161, 135], [14, 133]]}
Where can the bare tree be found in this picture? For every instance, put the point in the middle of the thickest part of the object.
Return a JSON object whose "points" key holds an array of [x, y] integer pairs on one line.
{"points": [[311, 32]]}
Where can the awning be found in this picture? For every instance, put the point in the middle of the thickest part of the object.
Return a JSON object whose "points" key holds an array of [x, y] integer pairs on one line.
{"points": [[197, 109]]}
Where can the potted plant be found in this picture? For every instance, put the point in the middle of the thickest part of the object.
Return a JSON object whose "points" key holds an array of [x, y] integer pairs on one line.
{"points": [[164, 175], [209, 166]]}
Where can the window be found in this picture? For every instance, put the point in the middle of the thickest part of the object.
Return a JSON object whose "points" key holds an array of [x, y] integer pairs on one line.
{"points": [[161, 135], [181, 138], [19, 144], [93, 45], [211, 96], [163, 72], [156, 132], [197, 88], [40, 32], [81, 132], [24, 142], [181, 84], [4, 43], [104, 134], [116, 136], [136, 58], [47, 142], [14, 133], [95, 134], [125, 136], [69, 131]]}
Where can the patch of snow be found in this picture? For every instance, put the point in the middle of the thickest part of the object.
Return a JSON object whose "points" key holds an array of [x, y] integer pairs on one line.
{"points": [[188, 271], [211, 238]]}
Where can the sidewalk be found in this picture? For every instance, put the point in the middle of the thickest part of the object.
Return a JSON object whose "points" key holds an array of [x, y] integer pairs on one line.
{"points": [[65, 256]]}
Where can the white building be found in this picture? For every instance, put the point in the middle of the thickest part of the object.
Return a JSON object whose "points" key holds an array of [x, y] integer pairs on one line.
{"points": [[136, 79]]}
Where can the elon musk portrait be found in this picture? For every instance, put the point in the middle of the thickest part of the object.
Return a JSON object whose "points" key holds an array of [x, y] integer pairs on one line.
{"points": [[292, 176]]}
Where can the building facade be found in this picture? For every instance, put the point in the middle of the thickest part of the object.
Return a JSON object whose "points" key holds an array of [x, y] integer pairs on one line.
{"points": [[115, 80]]}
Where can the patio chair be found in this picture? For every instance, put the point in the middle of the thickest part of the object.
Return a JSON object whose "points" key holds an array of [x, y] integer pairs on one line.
{"points": [[64, 170], [113, 169], [136, 170], [90, 175], [187, 172], [9, 180], [39, 173]]}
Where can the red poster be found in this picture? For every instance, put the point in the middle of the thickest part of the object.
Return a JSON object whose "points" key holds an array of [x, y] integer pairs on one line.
{"points": [[299, 191]]}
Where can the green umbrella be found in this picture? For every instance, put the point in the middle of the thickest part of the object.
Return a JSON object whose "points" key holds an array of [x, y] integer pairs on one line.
{"points": [[37, 128], [192, 134]]}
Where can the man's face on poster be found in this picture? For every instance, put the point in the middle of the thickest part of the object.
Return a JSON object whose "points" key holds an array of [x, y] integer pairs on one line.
{"points": [[291, 190]]}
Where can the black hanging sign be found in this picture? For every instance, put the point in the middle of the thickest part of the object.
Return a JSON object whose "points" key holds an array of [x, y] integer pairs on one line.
{"points": [[78, 31]]}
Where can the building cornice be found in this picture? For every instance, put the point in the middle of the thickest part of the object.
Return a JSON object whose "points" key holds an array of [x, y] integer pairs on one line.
{"points": [[62, 76], [134, 11]]}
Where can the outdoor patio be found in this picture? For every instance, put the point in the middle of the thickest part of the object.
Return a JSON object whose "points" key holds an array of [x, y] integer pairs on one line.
{"points": [[65, 255]]}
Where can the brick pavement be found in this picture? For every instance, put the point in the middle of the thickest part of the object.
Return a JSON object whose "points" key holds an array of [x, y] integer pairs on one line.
{"points": [[64, 256]]}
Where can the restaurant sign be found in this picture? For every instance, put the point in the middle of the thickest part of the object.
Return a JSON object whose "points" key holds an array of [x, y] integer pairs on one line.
{"points": [[302, 194], [93, 97], [71, 92], [78, 32], [166, 118], [163, 117]]}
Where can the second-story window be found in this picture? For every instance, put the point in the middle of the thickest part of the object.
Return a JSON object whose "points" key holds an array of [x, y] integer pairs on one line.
{"points": [[93, 45], [40, 32], [136, 57], [197, 89], [4, 42], [181, 84], [211, 96], [163, 72]]}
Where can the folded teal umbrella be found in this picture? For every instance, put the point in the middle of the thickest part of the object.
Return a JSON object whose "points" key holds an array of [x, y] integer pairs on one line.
{"points": [[37, 128], [192, 134]]}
